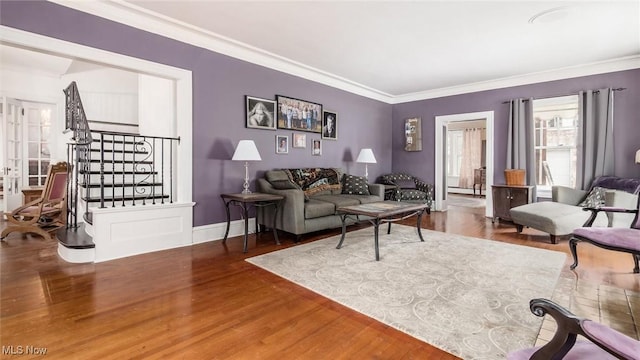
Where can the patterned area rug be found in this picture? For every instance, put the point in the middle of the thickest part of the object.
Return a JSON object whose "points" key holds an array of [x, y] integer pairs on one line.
{"points": [[466, 201], [463, 295]]}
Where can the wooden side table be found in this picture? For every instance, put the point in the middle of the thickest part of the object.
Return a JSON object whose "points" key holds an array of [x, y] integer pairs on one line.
{"points": [[255, 200]]}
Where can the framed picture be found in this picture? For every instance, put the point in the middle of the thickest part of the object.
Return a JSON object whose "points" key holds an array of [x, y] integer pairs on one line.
{"points": [[329, 125], [282, 144], [260, 113], [413, 134], [299, 140], [316, 147], [296, 114]]}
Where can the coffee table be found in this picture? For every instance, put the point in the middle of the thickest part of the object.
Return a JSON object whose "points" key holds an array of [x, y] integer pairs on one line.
{"points": [[381, 212]]}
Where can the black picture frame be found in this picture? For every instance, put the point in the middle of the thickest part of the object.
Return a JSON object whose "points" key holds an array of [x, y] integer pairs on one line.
{"points": [[329, 132], [297, 114], [259, 113]]}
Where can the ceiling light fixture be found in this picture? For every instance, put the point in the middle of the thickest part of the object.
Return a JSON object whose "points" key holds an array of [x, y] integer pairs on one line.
{"points": [[550, 16]]}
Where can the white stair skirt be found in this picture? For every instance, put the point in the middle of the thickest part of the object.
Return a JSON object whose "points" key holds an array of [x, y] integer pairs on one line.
{"points": [[133, 230]]}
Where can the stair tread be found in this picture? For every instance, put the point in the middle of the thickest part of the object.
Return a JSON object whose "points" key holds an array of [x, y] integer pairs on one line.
{"points": [[108, 161], [93, 186], [118, 172], [75, 238], [125, 198]]}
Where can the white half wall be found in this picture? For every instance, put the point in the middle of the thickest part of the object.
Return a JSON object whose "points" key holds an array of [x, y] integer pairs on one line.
{"points": [[122, 232]]}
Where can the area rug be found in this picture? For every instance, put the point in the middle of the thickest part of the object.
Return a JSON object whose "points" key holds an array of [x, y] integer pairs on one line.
{"points": [[466, 201], [464, 295]]}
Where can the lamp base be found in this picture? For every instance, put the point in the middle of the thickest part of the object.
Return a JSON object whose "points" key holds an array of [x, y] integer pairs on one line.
{"points": [[245, 186]]}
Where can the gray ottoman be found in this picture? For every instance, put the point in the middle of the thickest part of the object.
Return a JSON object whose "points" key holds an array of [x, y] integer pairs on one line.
{"points": [[553, 217]]}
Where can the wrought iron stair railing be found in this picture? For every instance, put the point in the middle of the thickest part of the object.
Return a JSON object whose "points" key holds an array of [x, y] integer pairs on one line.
{"points": [[115, 169]]}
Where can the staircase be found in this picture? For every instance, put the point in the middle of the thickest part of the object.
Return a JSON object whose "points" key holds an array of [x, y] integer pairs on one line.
{"points": [[113, 173]]}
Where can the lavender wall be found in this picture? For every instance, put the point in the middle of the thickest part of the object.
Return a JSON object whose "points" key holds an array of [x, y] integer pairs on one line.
{"points": [[219, 86], [626, 117]]}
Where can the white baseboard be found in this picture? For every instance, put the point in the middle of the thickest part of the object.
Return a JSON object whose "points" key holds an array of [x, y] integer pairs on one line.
{"points": [[214, 232]]}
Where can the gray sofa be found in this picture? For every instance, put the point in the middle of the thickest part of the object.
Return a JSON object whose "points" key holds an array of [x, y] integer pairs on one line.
{"points": [[564, 213], [305, 210]]}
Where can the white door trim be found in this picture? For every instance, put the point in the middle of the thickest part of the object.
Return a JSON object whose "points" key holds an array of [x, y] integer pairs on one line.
{"points": [[440, 153]]}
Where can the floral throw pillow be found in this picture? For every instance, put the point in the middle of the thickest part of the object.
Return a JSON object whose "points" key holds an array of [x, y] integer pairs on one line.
{"points": [[355, 185], [595, 198]]}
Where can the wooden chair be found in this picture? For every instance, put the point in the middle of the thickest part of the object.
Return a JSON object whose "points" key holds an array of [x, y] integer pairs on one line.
{"points": [[616, 239], [603, 342], [46, 214]]}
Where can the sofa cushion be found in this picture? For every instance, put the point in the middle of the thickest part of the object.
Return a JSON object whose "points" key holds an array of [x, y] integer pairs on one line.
{"points": [[553, 217], [363, 199], [406, 184], [355, 185], [338, 200], [595, 198], [316, 208]]}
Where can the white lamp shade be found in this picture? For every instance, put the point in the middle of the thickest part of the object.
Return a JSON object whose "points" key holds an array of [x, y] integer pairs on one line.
{"points": [[638, 157], [366, 156], [246, 151]]}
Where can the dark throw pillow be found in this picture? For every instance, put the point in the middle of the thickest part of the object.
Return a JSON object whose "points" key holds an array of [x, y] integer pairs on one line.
{"points": [[595, 198], [355, 185]]}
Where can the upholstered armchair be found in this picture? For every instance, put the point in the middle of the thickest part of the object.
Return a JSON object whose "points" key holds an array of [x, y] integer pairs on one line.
{"points": [[408, 187], [616, 239], [603, 342]]}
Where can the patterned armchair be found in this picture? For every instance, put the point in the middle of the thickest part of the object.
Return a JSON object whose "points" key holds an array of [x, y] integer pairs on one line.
{"points": [[407, 187]]}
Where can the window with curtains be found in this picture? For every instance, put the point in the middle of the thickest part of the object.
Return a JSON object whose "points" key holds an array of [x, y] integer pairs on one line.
{"points": [[556, 135]]}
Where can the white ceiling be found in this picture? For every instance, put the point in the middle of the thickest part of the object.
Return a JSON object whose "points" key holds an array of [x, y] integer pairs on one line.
{"points": [[399, 51], [402, 47]]}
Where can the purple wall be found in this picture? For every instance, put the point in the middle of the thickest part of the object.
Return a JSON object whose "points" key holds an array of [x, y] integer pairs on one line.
{"points": [[219, 86], [626, 120]]}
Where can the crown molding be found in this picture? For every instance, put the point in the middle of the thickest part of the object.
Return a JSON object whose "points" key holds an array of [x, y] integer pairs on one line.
{"points": [[620, 64], [132, 15]]}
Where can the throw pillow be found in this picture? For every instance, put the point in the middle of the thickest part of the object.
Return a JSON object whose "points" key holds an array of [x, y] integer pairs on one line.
{"points": [[355, 185], [595, 198]]}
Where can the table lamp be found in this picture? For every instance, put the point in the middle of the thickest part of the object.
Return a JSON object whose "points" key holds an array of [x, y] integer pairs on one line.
{"points": [[246, 151], [638, 157], [366, 157]]}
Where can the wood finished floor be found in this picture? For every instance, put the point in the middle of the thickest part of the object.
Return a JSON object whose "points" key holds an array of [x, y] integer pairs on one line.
{"points": [[206, 302]]}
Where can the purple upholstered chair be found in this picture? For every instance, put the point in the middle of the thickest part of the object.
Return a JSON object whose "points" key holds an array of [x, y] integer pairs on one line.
{"points": [[603, 342], [617, 239]]}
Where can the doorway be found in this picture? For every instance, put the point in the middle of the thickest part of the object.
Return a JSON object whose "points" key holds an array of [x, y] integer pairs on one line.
{"points": [[443, 123], [182, 80]]}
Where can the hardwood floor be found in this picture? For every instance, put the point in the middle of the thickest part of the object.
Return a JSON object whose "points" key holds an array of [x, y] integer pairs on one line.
{"points": [[206, 302]]}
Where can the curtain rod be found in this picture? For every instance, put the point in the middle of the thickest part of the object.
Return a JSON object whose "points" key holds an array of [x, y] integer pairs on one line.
{"points": [[548, 97]]}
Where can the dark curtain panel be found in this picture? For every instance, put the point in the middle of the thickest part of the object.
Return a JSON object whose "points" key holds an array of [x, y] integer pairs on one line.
{"points": [[520, 140], [595, 136]]}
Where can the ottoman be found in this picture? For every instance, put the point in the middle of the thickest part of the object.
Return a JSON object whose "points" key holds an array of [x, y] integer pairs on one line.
{"points": [[553, 217]]}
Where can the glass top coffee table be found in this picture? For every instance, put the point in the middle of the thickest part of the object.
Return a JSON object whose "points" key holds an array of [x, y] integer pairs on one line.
{"points": [[381, 212]]}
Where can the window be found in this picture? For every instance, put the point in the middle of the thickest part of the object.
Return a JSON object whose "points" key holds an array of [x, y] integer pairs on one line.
{"points": [[38, 120], [556, 136]]}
